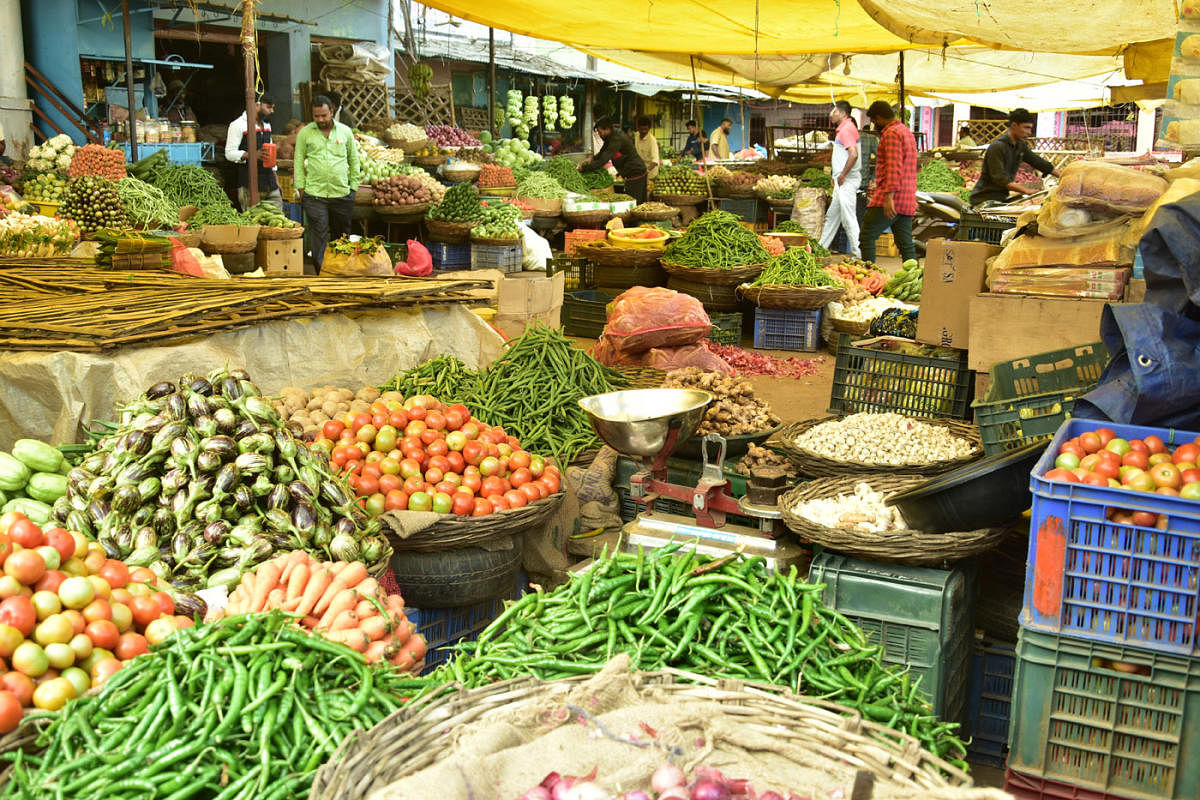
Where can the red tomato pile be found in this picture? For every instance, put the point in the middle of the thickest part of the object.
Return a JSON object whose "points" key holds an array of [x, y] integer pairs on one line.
{"points": [[1101, 458], [70, 616], [423, 455]]}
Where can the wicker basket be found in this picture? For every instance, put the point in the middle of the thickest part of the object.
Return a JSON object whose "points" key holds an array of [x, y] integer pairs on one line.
{"points": [[713, 296], [454, 175], [452, 531], [604, 254], [821, 735], [737, 192], [229, 248], [678, 200], [191, 239], [642, 377], [852, 328], [408, 146], [494, 242], [587, 219], [280, 233], [364, 196], [403, 212], [449, 232], [778, 204], [800, 298], [497, 191], [820, 466], [718, 277], [899, 546], [429, 161], [544, 206], [656, 216]]}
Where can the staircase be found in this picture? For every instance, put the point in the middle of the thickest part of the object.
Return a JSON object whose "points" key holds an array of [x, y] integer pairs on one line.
{"points": [[41, 90]]}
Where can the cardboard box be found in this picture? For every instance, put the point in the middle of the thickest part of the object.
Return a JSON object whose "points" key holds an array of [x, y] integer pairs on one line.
{"points": [[282, 258], [530, 293], [1135, 290], [954, 273], [218, 236], [513, 325], [489, 294], [1008, 326]]}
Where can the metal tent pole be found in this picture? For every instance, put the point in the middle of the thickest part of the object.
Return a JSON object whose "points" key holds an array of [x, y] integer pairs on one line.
{"points": [[248, 46], [133, 154], [492, 82]]}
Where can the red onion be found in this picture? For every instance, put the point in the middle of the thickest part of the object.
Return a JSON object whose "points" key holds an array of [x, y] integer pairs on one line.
{"points": [[668, 776], [707, 789], [770, 796], [541, 793], [748, 363], [675, 793], [638, 795], [586, 790]]}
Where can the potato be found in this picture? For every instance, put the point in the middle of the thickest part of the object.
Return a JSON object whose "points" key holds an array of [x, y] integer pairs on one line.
{"points": [[319, 417], [330, 408], [369, 393], [345, 394], [314, 404], [360, 407], [389, 397]]}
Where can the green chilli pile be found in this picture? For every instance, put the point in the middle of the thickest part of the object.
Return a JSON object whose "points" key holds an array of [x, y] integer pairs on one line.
{"points": [[717, 240], [727, 618], [794, 267], [245, 707]]}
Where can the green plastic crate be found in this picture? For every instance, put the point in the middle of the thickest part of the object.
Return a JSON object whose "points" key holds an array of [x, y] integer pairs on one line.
{"points": [[879, 377], [1029, 398], [1076, 719], [580, 272], [584, 314], [921, 616], [726, 328]]}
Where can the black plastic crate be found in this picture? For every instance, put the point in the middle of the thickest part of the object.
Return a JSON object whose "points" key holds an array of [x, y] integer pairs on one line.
{"points": [[580, 272], [585, 313], [726, 328], [979, 228], [881, 377]]}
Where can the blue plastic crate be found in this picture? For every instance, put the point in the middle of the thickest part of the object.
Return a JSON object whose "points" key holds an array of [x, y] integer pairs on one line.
{"points": [[450, 256], [178, 152], [445, 627], [294, 212], [506, 257], [1092, 578], [787, 329], [989, 702]]}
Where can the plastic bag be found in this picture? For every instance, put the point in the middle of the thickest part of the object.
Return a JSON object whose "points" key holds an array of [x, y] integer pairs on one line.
{"points": [[419, 263], [664, 358], [377, 264], [645, 317], [536, 251], [1058, 220], [1108, 187]]}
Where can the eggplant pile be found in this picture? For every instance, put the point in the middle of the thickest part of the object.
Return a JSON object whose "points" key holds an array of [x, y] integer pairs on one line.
{"points": [[202, 480]]}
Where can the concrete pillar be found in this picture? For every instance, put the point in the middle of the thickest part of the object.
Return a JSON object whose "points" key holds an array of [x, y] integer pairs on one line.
{"points": [[1145, 130], [15, 116]]}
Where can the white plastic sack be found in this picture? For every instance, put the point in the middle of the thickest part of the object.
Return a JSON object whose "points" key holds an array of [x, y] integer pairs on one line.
{"points": [[537, 249]]}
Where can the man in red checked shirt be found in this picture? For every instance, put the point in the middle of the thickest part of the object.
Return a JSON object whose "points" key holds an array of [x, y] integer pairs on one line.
{"points": [[894, 201]]}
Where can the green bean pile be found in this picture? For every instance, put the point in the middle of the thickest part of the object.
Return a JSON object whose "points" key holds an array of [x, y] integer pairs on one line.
{"points": [[248, 707], [717, 241], [216, 214], [567, 173], [189, 185], [727, 618], [147, 205], [817, 179], [789, 226], [540, 185], [937, 176], [795, 267], [445, 377]]}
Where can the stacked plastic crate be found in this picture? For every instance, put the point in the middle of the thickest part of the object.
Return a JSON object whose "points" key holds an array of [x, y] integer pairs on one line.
{"points": [[1106, 694]]}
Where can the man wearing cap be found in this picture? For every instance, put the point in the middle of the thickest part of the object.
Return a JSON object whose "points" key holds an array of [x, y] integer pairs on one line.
{"points": [[1003, 159], [621, 151], [236, 146], [178, 109]]}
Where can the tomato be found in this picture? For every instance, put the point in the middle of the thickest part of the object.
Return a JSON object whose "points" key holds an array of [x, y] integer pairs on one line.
{"points": [[368, 485], [463, 504], [1135, 458], [398, 419], [410, 468], [19, 613], [420, 501], [54, 628], [1159, 458], [515, 498], [26, 533], [51, 581], [1145, 519], [60, 655], [10, 587], [1138, 446], [520, 476], [1189, 475], [20, 684], [456, 441], [76, 592], [1166, 476], [438, 447], [62, 541], [472, 452], [184, 622], [10, 640], [481, 507], [122, 617], [1092, 479], [473, 482], [332, 429], [454, 418], [492, 485], [50, 557], [395, 500], [53, 694], [30, 659], [415, 428], [489, 466], [131, 645], [428, 437], [386, 439], [1185, 453], [436, 420], [10, 711], [434, 475], [359, 421], [376, 504], [552, 481], [390, 483], [118, 596], [81, 646], [79, 679], [1110, 456], [160, 629], [1190, 491], [440, 463], [457, 462], [78, 623], [499, 503], [442, 503], [414, 484], [519, 459], [1059, 474], [27, 566], [445, 487], [141, 575], [145, 610], [470, 429], [104, 669], [379, 418], [532, 491], [537, 465]]}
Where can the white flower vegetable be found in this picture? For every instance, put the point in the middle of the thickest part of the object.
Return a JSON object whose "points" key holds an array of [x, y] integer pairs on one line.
{"points": [[64, 162], [864, 511]]}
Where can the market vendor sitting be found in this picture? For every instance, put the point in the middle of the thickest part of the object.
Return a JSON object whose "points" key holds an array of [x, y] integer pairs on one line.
{"points": [[1003, 160], [621, 151]]}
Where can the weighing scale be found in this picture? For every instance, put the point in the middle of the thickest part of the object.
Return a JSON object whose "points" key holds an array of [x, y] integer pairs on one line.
{"points": [[648, 424]]}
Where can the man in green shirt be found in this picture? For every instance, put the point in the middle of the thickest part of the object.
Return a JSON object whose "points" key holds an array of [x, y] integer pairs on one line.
{"points": [[327, 173]]}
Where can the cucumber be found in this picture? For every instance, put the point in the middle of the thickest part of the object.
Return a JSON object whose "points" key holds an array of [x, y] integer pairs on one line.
{"points": [[38, 456], [37, 512], [46, 486], [13, 473]]}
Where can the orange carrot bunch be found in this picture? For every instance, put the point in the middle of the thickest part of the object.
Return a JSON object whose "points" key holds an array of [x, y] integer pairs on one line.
{"points": [[94, 159], [338, 601]]}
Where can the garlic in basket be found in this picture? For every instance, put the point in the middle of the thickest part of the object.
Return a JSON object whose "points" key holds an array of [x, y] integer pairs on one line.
{"points": [[863, 511]]}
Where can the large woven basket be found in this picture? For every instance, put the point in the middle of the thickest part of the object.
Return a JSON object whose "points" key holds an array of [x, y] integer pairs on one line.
{"points": [[497, 191], [678, 200], [495, 242], [642, 377], [656, 216], [811, 732], [407, 145], [899, 546], [799, 298], [719, 277], [189, 239], [780, 204], [403, 212], [229, 248], [280, 233], [713, 296], [460, 175], [452, 531], [851, 327], [429, 161], [819, 466], [587, 219], [736, 192], [607, 255], [449, 232], [543, 206]]}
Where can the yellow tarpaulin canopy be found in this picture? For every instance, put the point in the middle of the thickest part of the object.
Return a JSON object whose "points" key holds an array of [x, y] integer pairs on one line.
{"points": [[770, 74]]}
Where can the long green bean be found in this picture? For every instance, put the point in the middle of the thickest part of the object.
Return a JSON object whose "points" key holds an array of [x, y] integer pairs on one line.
{"points": [[717, 240], [795, 267], [189, 185], [147, 205]]}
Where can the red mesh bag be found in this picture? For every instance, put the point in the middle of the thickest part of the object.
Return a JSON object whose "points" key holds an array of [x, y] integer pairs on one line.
{"points": [[645, 317], [664, 358]]}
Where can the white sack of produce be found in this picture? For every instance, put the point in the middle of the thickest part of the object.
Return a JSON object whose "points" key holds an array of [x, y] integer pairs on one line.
{"points": [[865, 510], [1108, 187], [537, 250]]}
